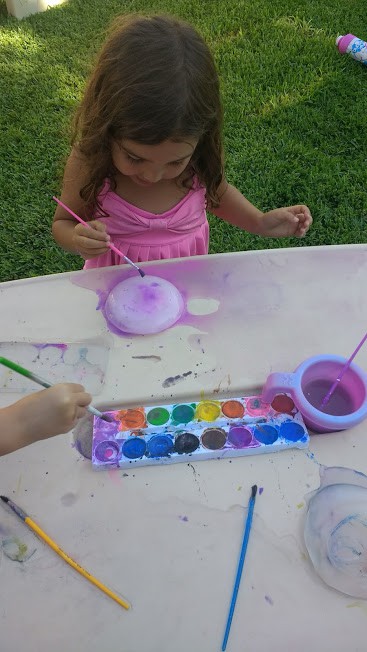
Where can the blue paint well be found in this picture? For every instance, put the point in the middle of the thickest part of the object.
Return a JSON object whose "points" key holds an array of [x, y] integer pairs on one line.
{"points": [[266, 434], [291, 431], [134, 447], [159, 446]]}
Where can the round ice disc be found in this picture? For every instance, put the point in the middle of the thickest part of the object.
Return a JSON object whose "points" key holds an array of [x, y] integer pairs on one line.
{"points": [[143, 306], [336, 537]]}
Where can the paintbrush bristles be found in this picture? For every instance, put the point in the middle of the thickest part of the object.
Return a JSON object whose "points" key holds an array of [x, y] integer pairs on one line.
{"points": [[107, 417], [5, 499]]}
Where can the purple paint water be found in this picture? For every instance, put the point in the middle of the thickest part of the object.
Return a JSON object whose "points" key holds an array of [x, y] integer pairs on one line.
{"points": [[340, 402]]}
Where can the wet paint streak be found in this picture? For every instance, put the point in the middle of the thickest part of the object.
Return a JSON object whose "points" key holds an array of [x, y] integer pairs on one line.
{"points": [[156, 358], [69, 499], [40, 347], [173, 380]]}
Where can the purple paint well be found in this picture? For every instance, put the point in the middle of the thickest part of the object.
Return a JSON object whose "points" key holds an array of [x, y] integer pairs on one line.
{"points": [[239, 437], [107, 451]]}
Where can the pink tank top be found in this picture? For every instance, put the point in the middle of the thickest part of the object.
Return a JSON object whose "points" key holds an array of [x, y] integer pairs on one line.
{"points": [[181, 231]]}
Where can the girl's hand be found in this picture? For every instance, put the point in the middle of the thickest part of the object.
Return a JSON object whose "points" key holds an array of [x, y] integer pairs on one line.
{"points": [[91, 242], [292, 221], [53, 411], [41, 415]]}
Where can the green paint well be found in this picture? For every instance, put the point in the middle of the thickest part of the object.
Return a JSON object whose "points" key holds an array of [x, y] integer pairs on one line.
{"points": [[158, 416], [183, 413]]}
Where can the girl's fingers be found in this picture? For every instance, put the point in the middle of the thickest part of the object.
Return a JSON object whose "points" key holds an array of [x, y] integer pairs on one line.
{"points": [[97, 225], [84, 399], [92, 233], [88, 244]]}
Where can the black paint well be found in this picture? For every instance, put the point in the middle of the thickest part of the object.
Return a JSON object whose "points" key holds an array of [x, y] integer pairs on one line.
{"points": [[186, 443]]}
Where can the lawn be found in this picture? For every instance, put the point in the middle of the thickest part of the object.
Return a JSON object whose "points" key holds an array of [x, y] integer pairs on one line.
{"points": [[295, 115]]}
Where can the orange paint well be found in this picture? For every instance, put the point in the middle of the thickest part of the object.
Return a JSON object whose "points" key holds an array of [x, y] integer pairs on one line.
{"points": [[233, 409], [132, 419]]}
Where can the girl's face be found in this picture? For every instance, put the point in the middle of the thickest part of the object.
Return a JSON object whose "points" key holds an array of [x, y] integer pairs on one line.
{"points": [[149, 164]]}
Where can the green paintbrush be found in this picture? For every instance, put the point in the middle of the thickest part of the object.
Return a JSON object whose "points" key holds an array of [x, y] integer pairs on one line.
{"points": [[44, 383]]}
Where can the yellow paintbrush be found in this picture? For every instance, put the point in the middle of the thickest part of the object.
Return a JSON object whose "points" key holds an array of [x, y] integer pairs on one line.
{"points": [[33, 526]]}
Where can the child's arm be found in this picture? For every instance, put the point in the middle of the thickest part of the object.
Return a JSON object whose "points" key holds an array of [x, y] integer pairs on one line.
{"points": [[68, 233], [279, 223], [41, 415]]}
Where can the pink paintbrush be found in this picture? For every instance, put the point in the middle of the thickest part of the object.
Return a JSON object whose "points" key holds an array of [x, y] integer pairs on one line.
{"points": [[333, 387], [109, 244]]}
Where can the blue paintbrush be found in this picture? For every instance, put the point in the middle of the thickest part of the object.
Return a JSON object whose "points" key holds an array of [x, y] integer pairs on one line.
{"points": [[241, 562]]}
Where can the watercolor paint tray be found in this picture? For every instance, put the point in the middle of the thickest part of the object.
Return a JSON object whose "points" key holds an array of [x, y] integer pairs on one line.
{"points": [[166, 434]]}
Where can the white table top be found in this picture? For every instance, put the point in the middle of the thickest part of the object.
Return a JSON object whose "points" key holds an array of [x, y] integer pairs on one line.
{"points": [[274, 309]]}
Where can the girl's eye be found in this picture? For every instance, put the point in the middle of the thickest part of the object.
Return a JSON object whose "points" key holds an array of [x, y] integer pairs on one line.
{"points": [[176, 163], [133, 160]]}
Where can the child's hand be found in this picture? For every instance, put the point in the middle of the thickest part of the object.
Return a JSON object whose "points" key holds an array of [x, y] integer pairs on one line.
{"points": [[91, 242], [41, 415], [292, 221], [52, 411]]}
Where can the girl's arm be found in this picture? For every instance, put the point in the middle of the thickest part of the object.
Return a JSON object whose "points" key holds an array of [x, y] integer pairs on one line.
{"points": [[41, 415], [72, 236], [281, 222]]}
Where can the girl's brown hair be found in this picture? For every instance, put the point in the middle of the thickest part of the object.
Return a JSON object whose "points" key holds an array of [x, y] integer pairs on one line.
{"points": [[155, 80]]}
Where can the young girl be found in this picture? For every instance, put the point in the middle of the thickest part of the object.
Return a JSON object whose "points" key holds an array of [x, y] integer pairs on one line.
{"points": [[148, 156], [41, 415]]}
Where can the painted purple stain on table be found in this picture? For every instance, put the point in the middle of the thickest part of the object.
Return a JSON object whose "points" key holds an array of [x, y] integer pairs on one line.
{"points": [[217, 291], [207, 429]]}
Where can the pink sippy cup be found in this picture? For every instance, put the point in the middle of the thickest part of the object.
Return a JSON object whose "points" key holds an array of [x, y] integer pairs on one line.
{"points": [[309, 384], [350, 44]]}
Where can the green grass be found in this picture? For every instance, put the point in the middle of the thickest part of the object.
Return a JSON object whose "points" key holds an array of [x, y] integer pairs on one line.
{"points": [[295, 115]]}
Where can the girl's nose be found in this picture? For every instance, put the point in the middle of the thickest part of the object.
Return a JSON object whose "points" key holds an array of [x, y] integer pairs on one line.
{"points": [[152, 175]]}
